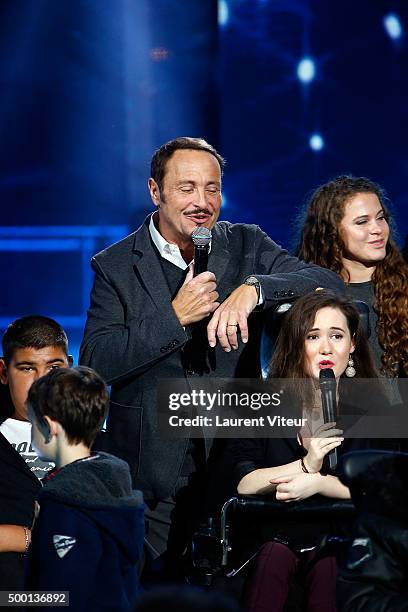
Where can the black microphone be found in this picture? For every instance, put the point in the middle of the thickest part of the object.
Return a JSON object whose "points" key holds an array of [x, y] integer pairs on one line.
{"points": [[328, 390], [201, 236]]}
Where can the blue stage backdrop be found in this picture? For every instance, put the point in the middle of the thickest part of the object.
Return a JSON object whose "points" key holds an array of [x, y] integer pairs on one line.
{"points": [[311, 90], [291, 92]]}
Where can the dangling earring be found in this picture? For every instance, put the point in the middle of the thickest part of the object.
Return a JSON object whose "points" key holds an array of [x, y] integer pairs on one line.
{"points": [[350, 370]]}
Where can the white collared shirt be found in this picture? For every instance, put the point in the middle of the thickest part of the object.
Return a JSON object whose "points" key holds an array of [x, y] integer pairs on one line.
{"points": [[168, 251]]}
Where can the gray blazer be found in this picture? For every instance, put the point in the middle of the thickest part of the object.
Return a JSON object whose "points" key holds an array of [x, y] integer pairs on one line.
{"points": [[133, 337]]}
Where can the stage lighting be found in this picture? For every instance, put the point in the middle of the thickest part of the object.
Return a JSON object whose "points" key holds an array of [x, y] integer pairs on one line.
{"points": [[159, 54], [223, 13], [306, 70], [316, 142], [393, 26]]}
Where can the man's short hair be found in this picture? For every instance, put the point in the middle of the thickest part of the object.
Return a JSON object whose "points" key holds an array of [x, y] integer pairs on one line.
{"points": [[163, 154], [34, 331], [77, 398]]}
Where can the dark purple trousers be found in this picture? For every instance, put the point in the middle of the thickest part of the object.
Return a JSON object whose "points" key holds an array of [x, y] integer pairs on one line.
{"points": [[275, 565]]}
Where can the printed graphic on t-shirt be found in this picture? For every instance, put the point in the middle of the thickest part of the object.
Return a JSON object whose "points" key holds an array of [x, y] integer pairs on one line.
{"points": [[18, 434], [36, 465]]}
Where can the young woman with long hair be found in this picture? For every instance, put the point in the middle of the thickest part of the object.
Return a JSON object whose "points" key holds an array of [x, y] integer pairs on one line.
{"points": [[321, 330], [348, 229]]}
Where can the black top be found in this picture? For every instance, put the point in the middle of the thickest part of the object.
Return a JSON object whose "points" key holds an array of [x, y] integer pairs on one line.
{"points": [[251, 454]]}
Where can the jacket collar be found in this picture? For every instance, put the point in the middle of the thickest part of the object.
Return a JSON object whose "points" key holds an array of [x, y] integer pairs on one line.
{"points": [[148, 267], [220, 256]]}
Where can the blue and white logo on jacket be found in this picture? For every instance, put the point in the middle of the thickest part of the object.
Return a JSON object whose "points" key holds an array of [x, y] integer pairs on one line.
{"points": [[63, 544]]}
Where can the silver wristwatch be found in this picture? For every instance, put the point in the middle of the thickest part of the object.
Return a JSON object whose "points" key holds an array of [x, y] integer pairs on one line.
{"points": [[253, 282]]}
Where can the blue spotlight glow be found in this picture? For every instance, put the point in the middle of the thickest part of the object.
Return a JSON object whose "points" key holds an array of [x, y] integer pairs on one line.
{"points": [[223, 13], [316, 142], [306, 70], [393, 26]]}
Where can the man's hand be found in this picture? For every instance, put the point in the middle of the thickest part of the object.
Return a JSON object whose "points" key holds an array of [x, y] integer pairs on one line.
{"points": [[296, 487], [231, 315], [196, 299]]}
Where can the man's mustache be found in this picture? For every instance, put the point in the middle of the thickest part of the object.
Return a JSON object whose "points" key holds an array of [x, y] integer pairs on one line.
{"points": [[198, 211]]}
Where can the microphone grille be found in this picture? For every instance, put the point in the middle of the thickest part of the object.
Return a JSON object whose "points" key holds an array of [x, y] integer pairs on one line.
{"points": [[326, 373], [201, 236]]}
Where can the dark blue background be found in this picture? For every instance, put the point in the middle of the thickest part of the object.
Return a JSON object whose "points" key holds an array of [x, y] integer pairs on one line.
{"points": [[90, 88]]}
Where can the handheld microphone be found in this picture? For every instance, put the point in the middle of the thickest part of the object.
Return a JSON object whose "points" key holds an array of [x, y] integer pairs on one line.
{"points": [[201, 236], [328, 390]]}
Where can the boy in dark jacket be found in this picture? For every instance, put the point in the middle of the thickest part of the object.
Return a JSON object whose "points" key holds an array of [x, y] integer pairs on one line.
{"points": [[89, 535], [32, 346]]}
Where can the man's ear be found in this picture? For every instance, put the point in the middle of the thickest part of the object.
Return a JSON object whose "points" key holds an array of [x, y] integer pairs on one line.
{"points": [[154, 192], [3, 372], [70, 361]]}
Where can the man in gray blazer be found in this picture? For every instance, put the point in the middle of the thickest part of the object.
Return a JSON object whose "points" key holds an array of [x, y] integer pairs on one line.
{"points": [[149, 318]]}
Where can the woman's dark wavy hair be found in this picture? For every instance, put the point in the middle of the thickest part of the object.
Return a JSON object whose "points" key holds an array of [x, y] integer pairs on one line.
{"points": [[288, 360], [321, 243]]}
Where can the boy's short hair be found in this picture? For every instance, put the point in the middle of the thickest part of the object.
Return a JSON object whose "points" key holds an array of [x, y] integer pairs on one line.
{"points": [[34, 331], [77, 398]]}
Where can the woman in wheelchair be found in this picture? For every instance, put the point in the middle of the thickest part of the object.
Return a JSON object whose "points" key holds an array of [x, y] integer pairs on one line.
{"points": [[321, 330]]}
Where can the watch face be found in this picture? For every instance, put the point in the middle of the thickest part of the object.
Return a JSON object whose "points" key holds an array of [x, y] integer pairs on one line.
{"points": [[252, 280]]}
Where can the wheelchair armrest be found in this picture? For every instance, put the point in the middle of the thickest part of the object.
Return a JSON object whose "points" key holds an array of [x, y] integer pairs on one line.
{"points": [[316, 506]]}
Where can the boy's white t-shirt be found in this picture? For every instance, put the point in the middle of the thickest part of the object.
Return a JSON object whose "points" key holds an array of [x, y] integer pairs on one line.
{"points": [[18, 434]]}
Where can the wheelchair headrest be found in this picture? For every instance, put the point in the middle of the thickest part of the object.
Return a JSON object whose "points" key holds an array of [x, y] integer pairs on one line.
{"points": [[378, 481], [355, 465]]}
